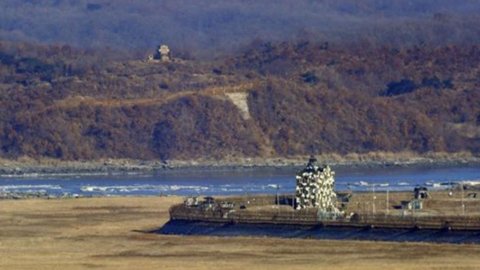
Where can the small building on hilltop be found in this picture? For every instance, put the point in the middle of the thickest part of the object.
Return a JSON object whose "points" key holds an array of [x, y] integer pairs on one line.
{"points": [[163, 54]]}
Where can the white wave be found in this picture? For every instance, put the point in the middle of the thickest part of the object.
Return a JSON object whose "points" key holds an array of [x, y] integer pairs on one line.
{"points": [[361, 184], [178, 187], [403, 183], [54, 175], [471, 182], [29, 187], [137, 188], [226, 189]]}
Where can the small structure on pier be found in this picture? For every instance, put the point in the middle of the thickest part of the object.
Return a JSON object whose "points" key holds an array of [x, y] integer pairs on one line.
{"points": [[315, 189], [191, 202], [415, 204], [421, 193]]}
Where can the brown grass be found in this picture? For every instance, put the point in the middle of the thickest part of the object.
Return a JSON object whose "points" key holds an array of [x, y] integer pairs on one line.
{"points": [[106, 233]]}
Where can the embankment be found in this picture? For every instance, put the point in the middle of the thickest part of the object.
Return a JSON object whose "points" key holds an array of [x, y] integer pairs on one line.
{"points": [[183, 227], [44, 166]]}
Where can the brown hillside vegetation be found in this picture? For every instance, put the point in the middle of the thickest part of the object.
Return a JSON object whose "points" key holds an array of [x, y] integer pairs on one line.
{"points": [[302, 98]]}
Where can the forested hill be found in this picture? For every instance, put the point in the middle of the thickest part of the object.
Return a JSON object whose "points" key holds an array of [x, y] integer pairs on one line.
{"points": [[272, 100]]}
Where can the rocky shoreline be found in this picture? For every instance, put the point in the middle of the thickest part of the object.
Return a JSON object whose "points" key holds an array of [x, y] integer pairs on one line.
{"points": [[4, 195], [38, 169], [26, 167]]}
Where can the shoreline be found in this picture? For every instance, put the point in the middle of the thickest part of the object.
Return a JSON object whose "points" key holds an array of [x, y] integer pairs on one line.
{"points": [[27, 167]]}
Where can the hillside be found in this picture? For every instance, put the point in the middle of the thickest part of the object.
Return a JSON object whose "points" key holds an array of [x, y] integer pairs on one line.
{"points": [[209, 28], [272, 100]]}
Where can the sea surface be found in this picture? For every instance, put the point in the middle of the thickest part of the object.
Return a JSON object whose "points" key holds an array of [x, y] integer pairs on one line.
{"points": [[232, 182]]}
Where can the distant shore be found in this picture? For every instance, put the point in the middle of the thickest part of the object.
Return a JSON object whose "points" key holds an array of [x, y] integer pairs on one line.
{"points": [[29, 167]]}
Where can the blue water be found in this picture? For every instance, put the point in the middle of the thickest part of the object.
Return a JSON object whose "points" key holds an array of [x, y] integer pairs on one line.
{"points": [[231, 182]]}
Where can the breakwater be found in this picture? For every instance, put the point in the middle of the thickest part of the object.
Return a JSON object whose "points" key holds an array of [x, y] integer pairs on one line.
{"points": [[379, 218], [310, 217], [185, 227]]}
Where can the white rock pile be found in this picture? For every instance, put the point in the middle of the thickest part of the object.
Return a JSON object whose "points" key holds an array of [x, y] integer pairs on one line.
{"points": [[315, 188]]}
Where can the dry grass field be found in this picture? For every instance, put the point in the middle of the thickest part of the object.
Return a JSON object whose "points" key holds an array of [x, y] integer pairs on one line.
{"points": [[107, 233]]}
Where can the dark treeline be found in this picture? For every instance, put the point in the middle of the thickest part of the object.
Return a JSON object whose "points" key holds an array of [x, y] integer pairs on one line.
{"points": [[206, 28], [304, 97]]}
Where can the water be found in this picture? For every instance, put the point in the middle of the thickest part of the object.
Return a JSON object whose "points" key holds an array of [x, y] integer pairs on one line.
{"points": [[231, 182]]}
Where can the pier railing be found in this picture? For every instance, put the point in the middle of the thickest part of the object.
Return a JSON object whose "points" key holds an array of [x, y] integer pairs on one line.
{"points": [[310, 217], [420, 222]]}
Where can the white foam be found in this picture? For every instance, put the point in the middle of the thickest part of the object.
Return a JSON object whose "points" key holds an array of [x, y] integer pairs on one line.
{"points": [[403, 183], [361, 184], [29, 187], [138, 188], [475, 182], [224, 189], [54, 175]]}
